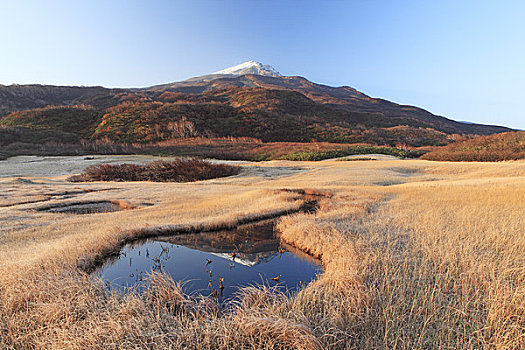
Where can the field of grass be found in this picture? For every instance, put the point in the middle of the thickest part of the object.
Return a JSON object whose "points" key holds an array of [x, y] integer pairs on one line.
{"points": [[416, 255]]}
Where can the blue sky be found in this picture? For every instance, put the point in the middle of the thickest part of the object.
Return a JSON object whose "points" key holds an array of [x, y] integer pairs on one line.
{"points": [[461, 59]]}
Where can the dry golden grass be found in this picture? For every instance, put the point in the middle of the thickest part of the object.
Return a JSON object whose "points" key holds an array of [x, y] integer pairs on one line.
{"points": [[416, 254], [467, 242]]}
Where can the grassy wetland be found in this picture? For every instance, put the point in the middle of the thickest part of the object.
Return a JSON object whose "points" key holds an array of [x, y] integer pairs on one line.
{"points": [[416, 255]]}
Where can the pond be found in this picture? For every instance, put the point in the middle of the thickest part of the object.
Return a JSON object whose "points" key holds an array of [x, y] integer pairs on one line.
{"points": [[91, 207], [213, 263]]}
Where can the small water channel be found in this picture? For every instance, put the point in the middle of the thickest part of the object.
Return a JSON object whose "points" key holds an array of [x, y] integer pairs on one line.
{"points": [[213, 263]]}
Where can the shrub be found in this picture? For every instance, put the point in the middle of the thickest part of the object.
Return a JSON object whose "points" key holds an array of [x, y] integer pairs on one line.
{"points": [[182, 170], [320, 155]]}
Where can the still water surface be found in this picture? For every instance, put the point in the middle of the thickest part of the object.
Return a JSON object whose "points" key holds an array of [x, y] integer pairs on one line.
{"points": [[249, 255]]}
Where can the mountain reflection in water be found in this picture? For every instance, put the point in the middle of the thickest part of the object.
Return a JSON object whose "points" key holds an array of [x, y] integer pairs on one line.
{"points": [[248, 255]]}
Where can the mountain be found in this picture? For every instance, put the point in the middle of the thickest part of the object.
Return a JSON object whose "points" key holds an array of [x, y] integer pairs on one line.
{"points": [[19, 97], [247, 100], [343, 97], [251, 67]]}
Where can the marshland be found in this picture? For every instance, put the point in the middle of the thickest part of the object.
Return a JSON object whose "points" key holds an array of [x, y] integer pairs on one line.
{"points": [[259, 175], [414, 254]]}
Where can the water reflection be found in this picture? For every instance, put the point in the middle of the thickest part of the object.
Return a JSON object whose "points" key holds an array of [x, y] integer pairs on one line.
{"points": [[215, 263], [83, 207]]}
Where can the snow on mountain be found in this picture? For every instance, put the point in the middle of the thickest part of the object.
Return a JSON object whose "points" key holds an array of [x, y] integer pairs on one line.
{"points": [[250, 67]]}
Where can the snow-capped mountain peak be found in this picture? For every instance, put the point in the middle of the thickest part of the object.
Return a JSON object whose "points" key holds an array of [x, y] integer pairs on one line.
{"points": [[250, 67]]}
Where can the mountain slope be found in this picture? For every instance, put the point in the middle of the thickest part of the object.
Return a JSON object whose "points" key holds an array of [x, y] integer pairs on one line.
{"points": [[230, 102], [343, 97], [80, 120], [266, 114], [20, 97], [498, 147]]}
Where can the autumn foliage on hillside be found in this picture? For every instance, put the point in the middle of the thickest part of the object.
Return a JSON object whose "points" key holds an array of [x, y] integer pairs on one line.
{"points": [[78, 119], [497, 147], [142, 118], [268, 115]]}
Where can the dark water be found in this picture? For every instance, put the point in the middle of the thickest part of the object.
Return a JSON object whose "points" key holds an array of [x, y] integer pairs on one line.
{"points": [[202, 260], [83, 208]]}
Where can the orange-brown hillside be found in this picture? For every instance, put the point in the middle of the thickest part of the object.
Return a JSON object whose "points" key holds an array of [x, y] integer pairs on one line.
{"points": [[493, 148], [269, 108]]}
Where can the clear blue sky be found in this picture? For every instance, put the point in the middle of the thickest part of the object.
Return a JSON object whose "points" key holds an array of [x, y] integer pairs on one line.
{"points": [[461, 59]]}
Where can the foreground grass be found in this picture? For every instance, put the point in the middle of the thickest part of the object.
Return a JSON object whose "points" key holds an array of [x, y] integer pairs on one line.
{"points": [[462, 254], [425, 264]]}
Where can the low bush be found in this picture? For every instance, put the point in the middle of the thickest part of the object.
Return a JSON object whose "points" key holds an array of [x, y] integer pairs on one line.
{"points": [[357, 159], [182, 170], [320, 155]]}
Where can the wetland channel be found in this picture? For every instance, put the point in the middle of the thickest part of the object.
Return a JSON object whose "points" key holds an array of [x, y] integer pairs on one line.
{"points": [[214, 263]]}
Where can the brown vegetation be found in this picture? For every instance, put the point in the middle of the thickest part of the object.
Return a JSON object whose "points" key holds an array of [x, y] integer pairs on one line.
{"points": [[228, 148], [181, 170], [493, 148]]}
